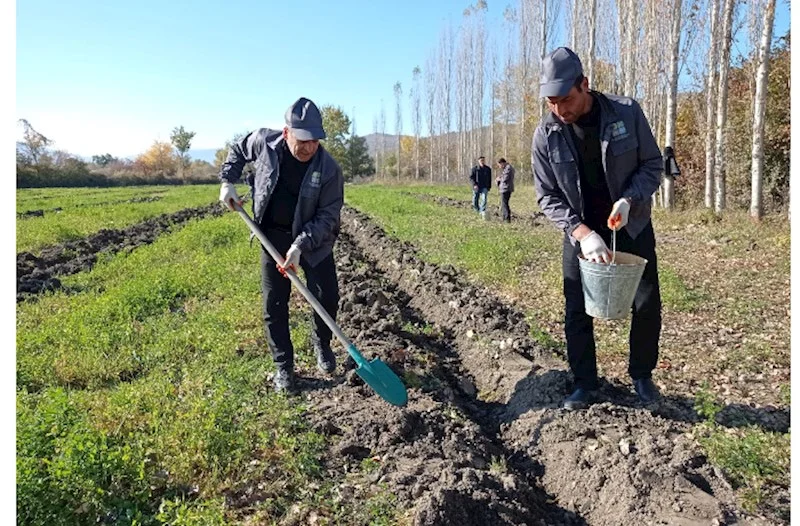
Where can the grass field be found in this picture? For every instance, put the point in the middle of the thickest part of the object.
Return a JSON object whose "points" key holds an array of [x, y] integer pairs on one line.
{"points": [[84, 211], [144, 398]]}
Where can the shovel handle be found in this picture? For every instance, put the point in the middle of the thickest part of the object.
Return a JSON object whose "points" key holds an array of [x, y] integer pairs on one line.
{"points": [[318, 308]]}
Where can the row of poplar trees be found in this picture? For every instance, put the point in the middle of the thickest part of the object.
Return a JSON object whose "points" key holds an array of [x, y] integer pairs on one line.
{"points": [[709, 74]]}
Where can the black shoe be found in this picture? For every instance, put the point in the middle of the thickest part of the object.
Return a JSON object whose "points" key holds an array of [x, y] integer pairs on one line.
{"points": [[284, 380], [326, 360], [579, 399], [647, 390]]}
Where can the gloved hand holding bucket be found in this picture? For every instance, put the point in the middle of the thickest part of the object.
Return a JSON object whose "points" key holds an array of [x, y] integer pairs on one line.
{"points": [[609, 279]]}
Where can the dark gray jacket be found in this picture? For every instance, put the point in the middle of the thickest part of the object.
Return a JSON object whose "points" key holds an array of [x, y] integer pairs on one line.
{"points": [[505, 181], [317, 218], [631, 160]]}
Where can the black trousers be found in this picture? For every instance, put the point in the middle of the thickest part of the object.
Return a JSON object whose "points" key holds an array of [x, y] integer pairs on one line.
{"points": [[505, 209], [322, 282], [645, 324]]}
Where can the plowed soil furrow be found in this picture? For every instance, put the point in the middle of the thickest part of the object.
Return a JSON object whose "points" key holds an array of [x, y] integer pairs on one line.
{"points": [[483, 432], [40, 273], [438, 457]]}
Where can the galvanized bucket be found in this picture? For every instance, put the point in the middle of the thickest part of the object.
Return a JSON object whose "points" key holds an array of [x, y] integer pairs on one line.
{"points": [[608, 290]]}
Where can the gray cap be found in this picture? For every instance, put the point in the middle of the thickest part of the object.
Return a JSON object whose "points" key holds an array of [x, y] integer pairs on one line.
{"points": [[305, 120], [559, 71]]}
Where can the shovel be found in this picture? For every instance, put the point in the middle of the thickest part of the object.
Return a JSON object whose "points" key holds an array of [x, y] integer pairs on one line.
{"points": [[374, 372]]}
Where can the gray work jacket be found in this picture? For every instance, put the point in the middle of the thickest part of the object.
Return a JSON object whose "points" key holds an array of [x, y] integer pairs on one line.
{"points": [[317, 217], [631, 160]]}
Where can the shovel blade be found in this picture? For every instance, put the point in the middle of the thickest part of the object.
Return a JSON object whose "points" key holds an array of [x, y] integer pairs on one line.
{"points": [[382, 379]]}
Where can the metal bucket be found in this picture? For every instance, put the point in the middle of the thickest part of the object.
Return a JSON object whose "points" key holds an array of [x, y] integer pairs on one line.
{"points": [[608, 290]]}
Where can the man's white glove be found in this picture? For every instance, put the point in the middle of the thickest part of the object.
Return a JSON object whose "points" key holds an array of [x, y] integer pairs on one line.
{"points": [[228, 192], [292, 258], [595, 249], [618, 217]]}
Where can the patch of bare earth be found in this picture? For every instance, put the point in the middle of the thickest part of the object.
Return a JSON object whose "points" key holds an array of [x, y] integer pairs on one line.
{"points": [[483, 440]]}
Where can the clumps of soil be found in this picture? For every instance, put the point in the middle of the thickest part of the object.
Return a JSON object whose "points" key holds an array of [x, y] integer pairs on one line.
{"points": [[483, 439]]}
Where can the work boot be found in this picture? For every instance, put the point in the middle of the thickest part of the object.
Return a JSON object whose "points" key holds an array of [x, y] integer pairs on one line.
{"points": [[326, 360], [284, 379], [579, 399], [647, 390]]}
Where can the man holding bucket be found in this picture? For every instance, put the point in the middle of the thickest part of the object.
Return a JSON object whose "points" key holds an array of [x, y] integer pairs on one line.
{"points": [[596, 166]]}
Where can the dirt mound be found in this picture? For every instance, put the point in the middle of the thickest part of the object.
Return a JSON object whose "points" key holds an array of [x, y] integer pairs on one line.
{"points": [[38, 273], [483, 440], [430, 456]]}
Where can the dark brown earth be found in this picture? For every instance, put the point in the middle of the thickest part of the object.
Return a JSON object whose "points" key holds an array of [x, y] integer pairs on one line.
{"points": [[38, 273], [483, 440]]}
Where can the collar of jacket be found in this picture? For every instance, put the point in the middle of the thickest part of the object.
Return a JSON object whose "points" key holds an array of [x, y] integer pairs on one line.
{"points": [[607, 114]]}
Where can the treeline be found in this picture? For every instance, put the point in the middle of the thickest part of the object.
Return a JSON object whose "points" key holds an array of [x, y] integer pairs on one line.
{"points": [[477, 92], [39, 165]]}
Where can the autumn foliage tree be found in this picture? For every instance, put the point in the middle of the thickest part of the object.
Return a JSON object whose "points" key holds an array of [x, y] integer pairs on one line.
{"points": [[159, 159]]}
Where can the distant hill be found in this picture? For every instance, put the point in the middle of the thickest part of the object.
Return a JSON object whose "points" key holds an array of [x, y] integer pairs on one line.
{"points": [[373, 142]]}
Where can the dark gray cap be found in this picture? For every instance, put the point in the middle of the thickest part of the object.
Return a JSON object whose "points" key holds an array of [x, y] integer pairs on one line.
{"points": [[559, 71], [305, 120]]}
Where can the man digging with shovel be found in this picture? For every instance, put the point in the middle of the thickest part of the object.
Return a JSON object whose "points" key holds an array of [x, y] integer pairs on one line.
{"points": [[596, 166], [298, 192]]}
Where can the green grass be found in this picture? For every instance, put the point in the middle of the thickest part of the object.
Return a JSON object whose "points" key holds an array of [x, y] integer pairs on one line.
{"points": [[76, 222], [50, 198], [145, 397], [675, 292], [751, 457]]}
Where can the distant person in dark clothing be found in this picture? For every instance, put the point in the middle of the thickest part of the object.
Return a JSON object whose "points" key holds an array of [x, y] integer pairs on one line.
{"points": [[505, 185], [298, 192], [481, 178], [596, 166]]}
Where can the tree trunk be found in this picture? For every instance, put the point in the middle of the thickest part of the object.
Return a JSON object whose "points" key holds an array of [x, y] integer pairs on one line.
{"points": [[574, 38], [398, 122], [672, 97], [760, 111], [722, 107], [592, 40], [632, 33], [543, 49], [711, 98]]}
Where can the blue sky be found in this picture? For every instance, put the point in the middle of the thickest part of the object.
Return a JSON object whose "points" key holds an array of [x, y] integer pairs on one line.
{"points": [[114, 76]]}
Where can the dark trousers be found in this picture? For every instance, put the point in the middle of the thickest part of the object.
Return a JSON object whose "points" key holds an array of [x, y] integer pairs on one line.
{"points": [[322, 282], [646, 321], [505, 209]]}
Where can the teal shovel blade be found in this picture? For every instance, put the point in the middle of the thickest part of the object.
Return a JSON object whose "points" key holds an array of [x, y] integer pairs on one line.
{"points": [[380, 378]]}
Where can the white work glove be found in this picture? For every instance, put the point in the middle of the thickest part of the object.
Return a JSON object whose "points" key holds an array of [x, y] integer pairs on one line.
{"points": [[228, 192], [595, 249], [618, 217], [292, 258]]}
